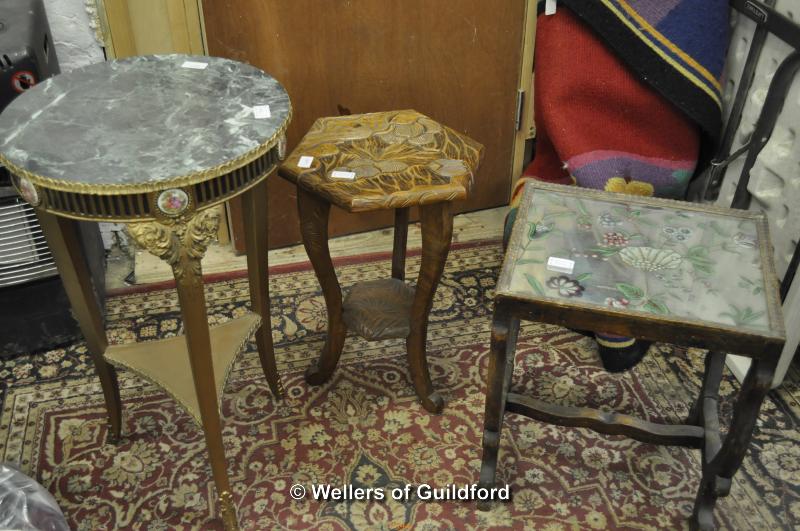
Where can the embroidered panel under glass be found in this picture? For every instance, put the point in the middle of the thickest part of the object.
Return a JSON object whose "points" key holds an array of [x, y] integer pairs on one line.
{"points": [[683, 263]]}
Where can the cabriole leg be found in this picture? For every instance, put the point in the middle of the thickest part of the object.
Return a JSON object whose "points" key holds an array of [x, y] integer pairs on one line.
{"points": [[437, 231], [314, 213], [256, 232], [62, 239]]}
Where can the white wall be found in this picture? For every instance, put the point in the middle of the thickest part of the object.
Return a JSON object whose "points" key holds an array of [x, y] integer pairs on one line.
{"points": [[774, 179], [72, 25], [73, 33]]}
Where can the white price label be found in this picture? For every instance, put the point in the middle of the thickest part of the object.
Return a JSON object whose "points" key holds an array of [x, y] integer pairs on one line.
{"points": [[305, 161], [550, 7], [194, 65], [349, 175], [560, 265], [261, 111]]}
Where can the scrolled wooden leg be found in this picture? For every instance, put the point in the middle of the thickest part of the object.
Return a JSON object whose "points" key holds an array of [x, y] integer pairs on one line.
{"points": [[256, 231], [498, 382], [720, 466], [64, 243], [437, 231], [314, 213]]}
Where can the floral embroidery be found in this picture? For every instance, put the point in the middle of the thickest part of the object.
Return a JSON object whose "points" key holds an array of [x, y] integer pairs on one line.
{"points": [[650, 259], [566, 286], [617, 302], [623, 186], [615, 239], [678, 234], [607, 220], [644, 259], [187, 496]]}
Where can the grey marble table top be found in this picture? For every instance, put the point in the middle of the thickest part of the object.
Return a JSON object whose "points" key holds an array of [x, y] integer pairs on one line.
{"points": [[142, 123]]}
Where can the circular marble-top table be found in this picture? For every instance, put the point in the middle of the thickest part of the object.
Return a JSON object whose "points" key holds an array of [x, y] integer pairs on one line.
{"points": [[155, 142]]}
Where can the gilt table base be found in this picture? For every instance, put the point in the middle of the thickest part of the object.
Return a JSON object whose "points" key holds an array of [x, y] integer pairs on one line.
{"points": [[192, 368], [104, 151]]}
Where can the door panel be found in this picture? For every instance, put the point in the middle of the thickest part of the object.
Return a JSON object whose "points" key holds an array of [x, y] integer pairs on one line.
{"points": [[457, 62], [142, 27]]}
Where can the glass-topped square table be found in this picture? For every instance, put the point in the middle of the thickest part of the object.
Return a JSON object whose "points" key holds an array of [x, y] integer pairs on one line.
{"points": [[654, 269]]}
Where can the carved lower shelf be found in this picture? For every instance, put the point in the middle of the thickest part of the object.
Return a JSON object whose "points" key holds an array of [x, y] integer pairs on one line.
{"points": [[166, 362], [379, 309]]}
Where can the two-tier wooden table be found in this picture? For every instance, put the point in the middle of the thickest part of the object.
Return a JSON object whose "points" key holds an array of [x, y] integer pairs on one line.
{"points": [[155, 142], [380, 161]]}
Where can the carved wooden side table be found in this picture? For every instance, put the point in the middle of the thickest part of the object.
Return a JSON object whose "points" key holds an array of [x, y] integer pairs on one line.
{"points": [[155, 142], [386, 160], [655, 269]]}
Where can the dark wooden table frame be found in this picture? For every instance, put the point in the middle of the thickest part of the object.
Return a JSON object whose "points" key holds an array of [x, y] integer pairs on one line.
{"points": [[721, 457], [383, 309]]}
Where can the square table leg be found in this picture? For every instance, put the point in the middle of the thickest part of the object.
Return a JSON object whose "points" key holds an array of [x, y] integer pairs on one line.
{"points": [[314, 212], [62, 239], [498, 381], [721, 460], [256, 233]]}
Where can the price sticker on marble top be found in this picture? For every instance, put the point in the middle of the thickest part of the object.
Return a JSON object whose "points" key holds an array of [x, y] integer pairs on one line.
{"points": [[261, 111], [194, 65], [305, 161], [560, 265], [347, 175]]}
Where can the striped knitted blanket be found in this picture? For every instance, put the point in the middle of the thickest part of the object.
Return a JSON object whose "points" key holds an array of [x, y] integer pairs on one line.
{"points": [[676, 46]]}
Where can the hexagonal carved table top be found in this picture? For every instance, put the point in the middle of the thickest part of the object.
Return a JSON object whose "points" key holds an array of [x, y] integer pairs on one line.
{"points": [[384, 160]]}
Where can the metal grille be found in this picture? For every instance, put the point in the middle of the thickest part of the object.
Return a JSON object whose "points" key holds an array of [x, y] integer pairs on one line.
{"points": [[226, 185], [98, 206], [24, 255], [137, 206]]}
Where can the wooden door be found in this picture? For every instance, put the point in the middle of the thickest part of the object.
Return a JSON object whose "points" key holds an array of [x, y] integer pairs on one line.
{"points": [[142, 27], [456, 61]]}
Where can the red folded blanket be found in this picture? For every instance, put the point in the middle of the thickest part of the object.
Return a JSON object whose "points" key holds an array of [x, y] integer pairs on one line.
{"points": [[598, 123]]}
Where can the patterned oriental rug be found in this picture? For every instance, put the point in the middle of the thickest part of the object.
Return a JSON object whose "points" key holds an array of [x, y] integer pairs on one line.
{"points": [[365, 428]]}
